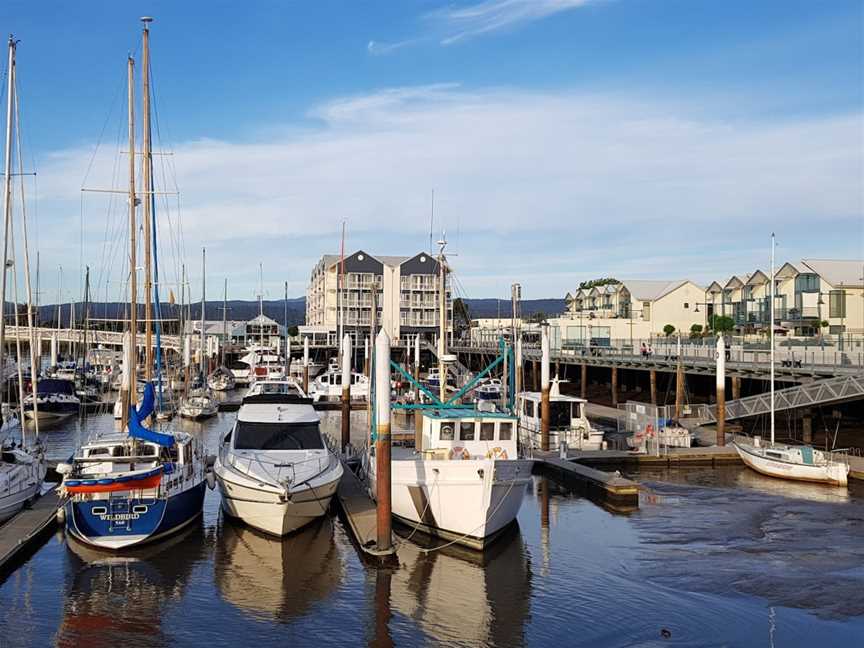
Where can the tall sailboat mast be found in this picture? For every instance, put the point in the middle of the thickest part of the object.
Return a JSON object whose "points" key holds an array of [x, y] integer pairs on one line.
{"points": [[771, 337], [224, 321], [203, 302], [442, 320], [7, 197], [147, 180], [131, 363]]}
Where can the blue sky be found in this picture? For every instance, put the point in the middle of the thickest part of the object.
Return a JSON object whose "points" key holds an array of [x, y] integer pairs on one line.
{"points": [[565, 139]]}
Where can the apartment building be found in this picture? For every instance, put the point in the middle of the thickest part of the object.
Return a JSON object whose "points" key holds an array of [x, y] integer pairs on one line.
{"points": [[405, 288], [807, 293], [628, 309]]}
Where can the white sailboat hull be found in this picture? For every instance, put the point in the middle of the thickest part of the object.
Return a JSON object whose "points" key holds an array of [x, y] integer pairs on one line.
{"points": [[467, 501], [12, 503], [831, 472]]}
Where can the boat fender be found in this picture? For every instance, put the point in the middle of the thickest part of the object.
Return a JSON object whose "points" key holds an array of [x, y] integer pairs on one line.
{"points": [[649, 430], [496, 453], [459, 453], [211, 480], [61, 515]]}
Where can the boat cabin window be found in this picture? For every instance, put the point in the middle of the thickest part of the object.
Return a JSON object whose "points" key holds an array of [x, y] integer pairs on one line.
{"points": [[466, 431], [559, 414], [446, 433], [92, 452], [278, 436], [487, 431], [528, 408], [505, 431], [775, 455], [187, 454]]}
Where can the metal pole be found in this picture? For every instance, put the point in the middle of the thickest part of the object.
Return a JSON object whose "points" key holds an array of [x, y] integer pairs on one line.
{"points": [[518, 362], [7, 196], [771, 336], [148, 187], [306, 364], [679, 382], [544, 388], [346, 392], [418, 417], [382, 441], [131, 394], [721, 391]]}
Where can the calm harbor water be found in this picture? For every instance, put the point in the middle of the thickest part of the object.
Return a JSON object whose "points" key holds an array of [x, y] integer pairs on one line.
{"points": [[712, 557]]}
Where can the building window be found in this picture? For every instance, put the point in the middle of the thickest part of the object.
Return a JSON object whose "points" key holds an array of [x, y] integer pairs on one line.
{"points": [[646, 311], [837, 303], [686, 304], [807, 282]]}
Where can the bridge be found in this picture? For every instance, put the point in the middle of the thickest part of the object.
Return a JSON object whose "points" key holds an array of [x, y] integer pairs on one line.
{"points": [[95, 338], [819, 392], [790, 365]]}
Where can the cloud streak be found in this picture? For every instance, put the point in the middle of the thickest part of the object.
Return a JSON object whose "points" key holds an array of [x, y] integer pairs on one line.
{"points": [[596, 182], [462, 23]]}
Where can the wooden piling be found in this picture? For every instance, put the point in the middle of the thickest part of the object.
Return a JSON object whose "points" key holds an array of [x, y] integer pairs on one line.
{"points": [[583, 382], [544, 389], [382, 441], [721, 392], [679, 383], [614, 386], [736, 387], [652, 375]]}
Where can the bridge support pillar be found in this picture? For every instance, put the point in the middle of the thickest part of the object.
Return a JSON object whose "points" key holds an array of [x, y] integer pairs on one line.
{"points": [[614, 386], [652, 375], [583, 382], [807, 426], [736, 387]]}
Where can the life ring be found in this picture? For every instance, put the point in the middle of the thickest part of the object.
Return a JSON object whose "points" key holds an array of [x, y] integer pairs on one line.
{"points": [[496, 453], [649, 430], [459, 453]]}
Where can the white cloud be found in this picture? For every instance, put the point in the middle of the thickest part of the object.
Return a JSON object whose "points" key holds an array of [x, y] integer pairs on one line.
{"points": [[569, 184], [460, 23]]}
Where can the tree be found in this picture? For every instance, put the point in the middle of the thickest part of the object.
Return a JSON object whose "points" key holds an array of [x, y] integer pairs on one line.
{"points": [[668, 330], [293, 331], [721, 323], [695, 331], [605, 281], [537, 318]]}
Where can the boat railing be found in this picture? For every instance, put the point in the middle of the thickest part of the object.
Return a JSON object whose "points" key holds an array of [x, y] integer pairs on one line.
{"points": [[279, 472]]}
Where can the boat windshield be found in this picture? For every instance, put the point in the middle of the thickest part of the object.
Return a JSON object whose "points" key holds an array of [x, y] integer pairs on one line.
{"points": [[278, 436], [559, 415]]}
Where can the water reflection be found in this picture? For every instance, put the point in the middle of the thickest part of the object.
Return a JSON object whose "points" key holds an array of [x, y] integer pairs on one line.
{"points": [[277, 579], [462, 596], [121, 598]]}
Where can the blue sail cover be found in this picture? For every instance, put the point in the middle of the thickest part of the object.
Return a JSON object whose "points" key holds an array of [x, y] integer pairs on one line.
{"points": [[136, 415]]}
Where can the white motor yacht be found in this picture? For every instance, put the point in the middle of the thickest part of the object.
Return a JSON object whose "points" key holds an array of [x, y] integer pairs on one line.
{"points": [[328, 386], [274, 470]]}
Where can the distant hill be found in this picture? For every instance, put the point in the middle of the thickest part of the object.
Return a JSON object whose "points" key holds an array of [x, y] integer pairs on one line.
{"points": [[275, 309]]}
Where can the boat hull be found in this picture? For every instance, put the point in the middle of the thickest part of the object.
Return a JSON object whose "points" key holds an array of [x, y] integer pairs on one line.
{"points": [[269, 512], [468, 502], [833, 473], [123, 522], [14, 502]]}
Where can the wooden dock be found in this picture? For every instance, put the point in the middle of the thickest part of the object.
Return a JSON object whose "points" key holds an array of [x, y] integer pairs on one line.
{"points": [[360, 513], [677, 457], [608, 486], [21, 535]]}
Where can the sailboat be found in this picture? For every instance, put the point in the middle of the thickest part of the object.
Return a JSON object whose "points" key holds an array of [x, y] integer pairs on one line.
{"points": [[464, 481], [200, 404], [124, 489], [798, 462], [222, 379], [22, 466]]}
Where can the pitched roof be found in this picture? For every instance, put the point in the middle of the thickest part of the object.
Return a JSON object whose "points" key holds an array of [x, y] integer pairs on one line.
{"points": [[838, 272], [651, 290]]}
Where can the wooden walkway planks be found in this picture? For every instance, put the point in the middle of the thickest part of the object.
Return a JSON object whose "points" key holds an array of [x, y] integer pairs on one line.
{"points": [[23, 531], [360, 512]]}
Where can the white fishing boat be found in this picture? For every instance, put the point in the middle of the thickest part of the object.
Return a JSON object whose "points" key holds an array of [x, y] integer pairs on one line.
{"points": [[328, 386], [788, 461], [465, 483], [274, 470], [568, 421]]}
